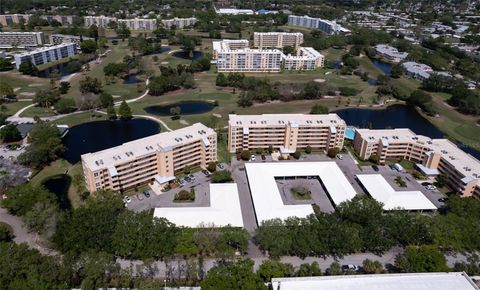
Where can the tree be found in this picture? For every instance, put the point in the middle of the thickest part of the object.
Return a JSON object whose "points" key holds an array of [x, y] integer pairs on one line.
{"points": [[274, 269], [297, 154], [374, 158], [308, 149], [88, 46], [332, 152], [123, 31], [245, 155], [175, 111], [222, 176], [46, 98], [5, 64], [124, 111], [309, 270], [314, 90], [45, 144], [106, 100], [90, 85], [212, 167], [23, 198], [221, 80], [65, 105], [28, 68], [64, 87], [396, 72], [10, 133], [421, 99], [318, 109], [441, 180], [5, 234], [334, 269], [112, 115], [421, 259], [238, 275], [372, 267], [6, 91]]}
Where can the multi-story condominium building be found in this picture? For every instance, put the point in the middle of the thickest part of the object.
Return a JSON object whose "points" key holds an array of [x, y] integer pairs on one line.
{"points": [[56, 39], [327, 26], [46, 54], [434, 156], [152, 159], [235, 56], [179, 22], [20, 39], [63, 19], [286, 132], [234, 11], [416, 70], [100, 21], [390, 52], [307, 58], [9, 19], [277, 39], [139, 23]]}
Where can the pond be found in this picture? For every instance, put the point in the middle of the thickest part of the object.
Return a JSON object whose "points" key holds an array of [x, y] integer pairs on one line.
{"points": [[186, 108], [182, 54], [372, 82], [396, 116], [385, 67], [100, 135], [59, 184], [132, 79], [63, 69]]}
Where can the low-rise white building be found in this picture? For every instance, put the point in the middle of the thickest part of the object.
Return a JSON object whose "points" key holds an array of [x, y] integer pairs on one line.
{"points": [[234, 11], [100, 21], [179, 22], [139, 23], [21, 39], [307, 58], [416, 70], [46, 54], [390, 52], [327, 26]]}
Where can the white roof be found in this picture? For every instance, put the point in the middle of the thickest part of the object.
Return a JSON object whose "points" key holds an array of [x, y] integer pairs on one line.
{"points": [[409, 281], [380, 189], [266, 196], [224, 209]]}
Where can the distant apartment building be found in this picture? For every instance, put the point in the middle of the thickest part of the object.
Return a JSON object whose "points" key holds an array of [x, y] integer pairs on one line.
{"points": [[434, 156], [235, 56], [100, 21], [416, 70], [234, 11], [56, 39], [21, 39], [277, 39], [10, 19], [285, 132], [390, 53], [306, 58], [46, 54], [327, 26], [139, 23], [154, 159], [179, 22], [63, 19]]}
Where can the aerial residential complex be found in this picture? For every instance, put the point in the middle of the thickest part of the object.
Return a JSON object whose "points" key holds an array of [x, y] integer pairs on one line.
{"points": [[286, 132], [277, 39], [139, 23], [63, 38], [21, 39], [46, 54], [235, 56], [327, 26], [99, 21], [434, 156], [9, 19], [390, 52], [416, 70], [179, 22], [152, 159], [63, 19], [234, 11]]}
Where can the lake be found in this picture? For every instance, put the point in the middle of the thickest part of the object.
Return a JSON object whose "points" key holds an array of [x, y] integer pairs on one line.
{"points": [[182, 54], [396, 116], [186, 107], [385, 67], [100, 135], [131, 79], [59, 184]]}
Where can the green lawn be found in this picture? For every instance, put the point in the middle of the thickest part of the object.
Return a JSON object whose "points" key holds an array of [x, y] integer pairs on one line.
{"points": [[13, 107], [37, 111]]}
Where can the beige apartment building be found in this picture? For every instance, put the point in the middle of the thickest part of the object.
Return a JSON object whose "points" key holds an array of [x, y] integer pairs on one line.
{"points": [[152, 160], [179, 22], [434, 156], [21, 39], [277, 39], [99, 21], [9, 19], [286, 132], [306, 58], [139, 23]]}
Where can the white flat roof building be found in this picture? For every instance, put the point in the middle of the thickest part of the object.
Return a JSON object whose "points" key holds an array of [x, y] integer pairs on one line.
{"points": [[139, 23], [234, 11], [379, 189], [46, 54], [417, 70], [21, 39], [408, 281], [179, 22], [390, 52], [266, 197], [224, 210]]}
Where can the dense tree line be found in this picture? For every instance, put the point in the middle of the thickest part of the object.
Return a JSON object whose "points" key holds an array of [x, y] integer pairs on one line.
{"points": [[171, 79]]}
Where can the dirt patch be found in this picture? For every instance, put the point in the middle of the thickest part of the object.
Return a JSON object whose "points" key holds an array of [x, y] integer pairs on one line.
{"points": [[35, 85], [217, 115], [319, 80], [184, 122], [164, 62], [28, 94]]}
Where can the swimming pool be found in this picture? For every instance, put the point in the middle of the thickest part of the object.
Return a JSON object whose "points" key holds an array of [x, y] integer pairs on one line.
{"points": [[350, 133]]}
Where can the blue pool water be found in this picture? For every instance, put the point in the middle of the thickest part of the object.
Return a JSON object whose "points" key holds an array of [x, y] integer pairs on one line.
{"points": [[350, 133]]}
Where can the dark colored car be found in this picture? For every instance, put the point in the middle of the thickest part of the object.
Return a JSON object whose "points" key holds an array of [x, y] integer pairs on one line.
{"points": [[375, 168], [206, 172], [263, 157], [146, 193], [443, 199]]}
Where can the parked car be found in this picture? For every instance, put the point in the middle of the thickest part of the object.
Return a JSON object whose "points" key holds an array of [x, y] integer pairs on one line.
{"points": [[442, 199], [127, 199], [220, 165], [425, 184], [181, 181], [375, 168], [140, 196], [252, 158], [431, 187], [340, 157], [188, 179], [192, 177], [238, 158], [263, 157], [146, 193], [350, 267], [206, 172]]}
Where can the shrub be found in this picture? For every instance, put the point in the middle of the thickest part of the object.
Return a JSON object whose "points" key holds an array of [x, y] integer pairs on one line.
{"points": [[185, 195], [212, 167], [308, 149], [374, 158], [297, 154], [245, 155], [223, 176]]}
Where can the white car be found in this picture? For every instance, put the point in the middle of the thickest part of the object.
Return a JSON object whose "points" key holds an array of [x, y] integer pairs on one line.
{"points": [[127, 199], [252, 158]]}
